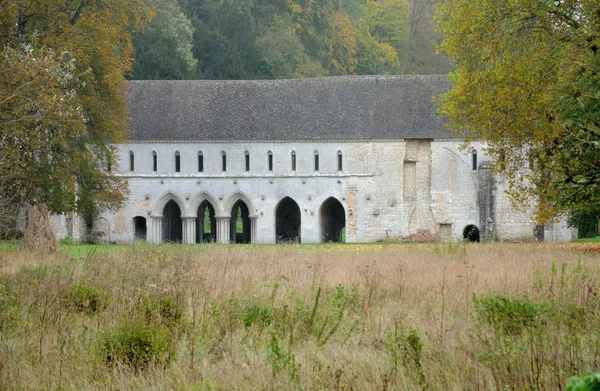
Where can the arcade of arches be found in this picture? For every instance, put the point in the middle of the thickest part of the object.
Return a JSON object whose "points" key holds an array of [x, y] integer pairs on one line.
{"points": [[239, 226]]}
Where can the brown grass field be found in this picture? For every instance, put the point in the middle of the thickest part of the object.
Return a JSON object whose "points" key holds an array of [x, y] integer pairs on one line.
{"points": [[347, 317]]}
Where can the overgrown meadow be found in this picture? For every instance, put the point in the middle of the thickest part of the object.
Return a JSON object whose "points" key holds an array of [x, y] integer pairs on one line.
{"points": [[372, 317]]}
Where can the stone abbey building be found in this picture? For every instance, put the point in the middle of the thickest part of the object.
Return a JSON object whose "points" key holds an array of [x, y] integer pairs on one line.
{"points": [[359, 159]]}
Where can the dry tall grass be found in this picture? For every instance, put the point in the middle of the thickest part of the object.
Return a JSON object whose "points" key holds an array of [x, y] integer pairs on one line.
{"points": [[292, 317]]}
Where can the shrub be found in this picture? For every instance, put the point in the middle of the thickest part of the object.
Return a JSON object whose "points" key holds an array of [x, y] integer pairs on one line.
{"points": [[405, 348], [507, 314], [586, 383], [258, 314], [86, 298], [167, 310], [137, 345]]}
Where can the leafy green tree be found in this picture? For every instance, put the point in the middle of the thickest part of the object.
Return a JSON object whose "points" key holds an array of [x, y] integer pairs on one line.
{"points": [[62, 98], [527, 82], [284, 54], [374, 57], [225, 39], [164, 49]]}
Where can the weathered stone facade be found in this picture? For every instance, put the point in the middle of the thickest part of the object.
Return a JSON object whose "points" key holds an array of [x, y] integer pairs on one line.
{"points": [[290, 175]]}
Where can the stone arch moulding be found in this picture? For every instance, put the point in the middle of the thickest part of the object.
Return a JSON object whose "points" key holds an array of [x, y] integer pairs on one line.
{"points": [[235, 197], [164, 199], [205, 196]]}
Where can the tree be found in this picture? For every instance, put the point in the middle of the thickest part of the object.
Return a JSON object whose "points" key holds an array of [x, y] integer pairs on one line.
{"points": [[528, 82], [284, 54], [164, 49], [62, 100]]}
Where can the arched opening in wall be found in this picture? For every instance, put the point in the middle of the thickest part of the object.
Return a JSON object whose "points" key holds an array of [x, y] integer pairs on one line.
{"points": [[474, 158], [139, 228], [206, 224], [172, 226], [471, 233], [131, 161], [200, 162], [177, 162], [333, 221], [240, 225], [287, 221]]}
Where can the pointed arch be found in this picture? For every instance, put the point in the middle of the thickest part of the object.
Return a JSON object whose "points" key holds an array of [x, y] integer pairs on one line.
{"points": [[200, 198], [332, 217], [164, 200], [206, 209], [288, 221], [239, 196]]}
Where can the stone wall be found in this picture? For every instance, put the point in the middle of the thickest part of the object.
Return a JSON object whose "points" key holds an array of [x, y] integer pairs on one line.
{"points": [[388, 190]]}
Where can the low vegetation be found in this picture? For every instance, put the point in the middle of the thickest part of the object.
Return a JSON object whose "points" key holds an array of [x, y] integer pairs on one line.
{"points": [[381, 317]]}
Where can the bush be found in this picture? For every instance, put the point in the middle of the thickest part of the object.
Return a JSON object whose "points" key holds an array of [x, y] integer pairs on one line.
{"points": [[507, 314], [258, 314], [137, 345], [86, 298], [167, 311], [586, 383]]}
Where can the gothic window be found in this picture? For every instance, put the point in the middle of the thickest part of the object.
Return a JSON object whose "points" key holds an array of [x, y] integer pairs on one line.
{"points": [[177, 162], [474, 156], [316, 160], [293, 161], [270, 161], [154, 161], [131, 161], [340, 166], [247, 160], [224, 159], [200, 162]]}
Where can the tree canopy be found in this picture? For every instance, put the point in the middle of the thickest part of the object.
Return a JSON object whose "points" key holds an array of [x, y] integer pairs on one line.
{"points": [[528, 82], [62, 99], [265, 39]]}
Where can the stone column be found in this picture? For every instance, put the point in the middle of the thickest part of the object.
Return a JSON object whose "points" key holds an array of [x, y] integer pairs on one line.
{"points": [[189, 230], [253, 225], [154, 234], [223, 229]]}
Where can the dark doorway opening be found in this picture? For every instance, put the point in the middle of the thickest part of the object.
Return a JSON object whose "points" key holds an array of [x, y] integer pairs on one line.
{"points": [[240, 223], [206, 223], [333, 221], [139, 228], [287, 221], [172, 227], [471, 233]]}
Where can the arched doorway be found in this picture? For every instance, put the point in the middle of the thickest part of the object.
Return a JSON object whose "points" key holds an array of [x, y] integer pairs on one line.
{"points": [[206, 224], [471, 233], [287, 221], [139, 228], [172, 227], [240, 224], [333, 221]]}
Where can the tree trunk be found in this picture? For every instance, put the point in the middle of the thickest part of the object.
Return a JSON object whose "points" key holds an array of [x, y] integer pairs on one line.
{"points": [[39, 236]]}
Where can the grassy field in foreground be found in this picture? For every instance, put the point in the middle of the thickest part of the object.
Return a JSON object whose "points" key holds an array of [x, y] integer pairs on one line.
{"points": [[352, 317]]}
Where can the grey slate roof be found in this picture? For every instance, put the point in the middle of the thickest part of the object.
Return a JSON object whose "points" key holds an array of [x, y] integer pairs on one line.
{"points": [[333, 108]]}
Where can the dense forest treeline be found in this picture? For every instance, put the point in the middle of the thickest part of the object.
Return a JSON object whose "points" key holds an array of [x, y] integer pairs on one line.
{"points": [[269, 39]]}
